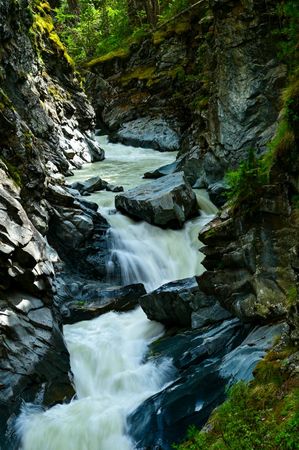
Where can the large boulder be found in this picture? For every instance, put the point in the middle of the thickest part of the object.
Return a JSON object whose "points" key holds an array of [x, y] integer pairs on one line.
{"points": [[182, 303], [90, 300], [167, 202], [148, 133]]}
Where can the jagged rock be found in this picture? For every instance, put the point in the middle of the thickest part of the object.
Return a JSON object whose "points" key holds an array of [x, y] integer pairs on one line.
{"points": [[94, 300], [78, 233], [205, 363], [181, 302], [148, 133], [167, 202], [24, 254], [250, 258]]}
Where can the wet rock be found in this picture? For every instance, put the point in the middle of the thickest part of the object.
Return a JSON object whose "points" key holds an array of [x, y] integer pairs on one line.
{"points": [[78, 234], [181, 303], [161, 171], [94, 184], [148, 133], [206, 362], [218, 193], [91, 185], [94, 299], [96, 152], [112, 188], [167, 202]]}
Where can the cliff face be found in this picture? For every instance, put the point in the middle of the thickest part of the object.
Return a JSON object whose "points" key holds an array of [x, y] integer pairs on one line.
{"points": [[212, 75], [46, 125]]}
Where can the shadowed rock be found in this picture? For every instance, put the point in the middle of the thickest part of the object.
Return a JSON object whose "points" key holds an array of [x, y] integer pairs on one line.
{"points": [[96, 300]]}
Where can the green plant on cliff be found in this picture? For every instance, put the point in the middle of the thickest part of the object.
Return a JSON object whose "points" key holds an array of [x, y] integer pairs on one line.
{"points": [[246, 182], [261, 415], [288, 12]]}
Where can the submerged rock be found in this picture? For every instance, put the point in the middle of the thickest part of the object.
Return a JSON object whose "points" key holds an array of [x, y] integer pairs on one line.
{"points": [[181, 303], [206, 363], [93, 300], [94, 184], [167, 202], [147, 132]]}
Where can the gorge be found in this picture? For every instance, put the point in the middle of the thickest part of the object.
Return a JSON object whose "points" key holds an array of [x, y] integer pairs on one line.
{"points": [[97, 232]]}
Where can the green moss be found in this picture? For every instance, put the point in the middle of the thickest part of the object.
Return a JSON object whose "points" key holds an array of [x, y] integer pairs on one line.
{"points": [[120, 53], [160, 36], [182, 26], [13, 172], [260, 415], [140, 73], [292, 295], [43, 28]]}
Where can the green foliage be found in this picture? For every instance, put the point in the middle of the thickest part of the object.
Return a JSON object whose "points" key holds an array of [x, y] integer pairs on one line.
{"points": [[246, 182], [173, 7], [101, 27], [261, 415], [288, 12]]}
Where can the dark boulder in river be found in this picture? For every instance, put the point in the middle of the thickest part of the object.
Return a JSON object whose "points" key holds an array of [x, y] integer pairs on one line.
{"points": [[182, 302], [167, 202], [91, 300]]}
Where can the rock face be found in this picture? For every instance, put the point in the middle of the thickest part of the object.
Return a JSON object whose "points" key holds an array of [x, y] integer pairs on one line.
{"points": [[181, 303], [34, 359], [148, 133], [252, 259], [212, 74], [167, 202], [205, 362]]}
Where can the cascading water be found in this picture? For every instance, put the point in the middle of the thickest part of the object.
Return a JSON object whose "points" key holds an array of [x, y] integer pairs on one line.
{"points": [[147, 254], [110, 381], [107, 353]]}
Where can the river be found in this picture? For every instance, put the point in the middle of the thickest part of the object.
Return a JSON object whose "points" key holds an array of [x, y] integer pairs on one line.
{"points": [[107, 354]]}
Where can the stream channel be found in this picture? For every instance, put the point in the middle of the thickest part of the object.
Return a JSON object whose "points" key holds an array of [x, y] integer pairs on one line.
{"points": [[112, 377]]}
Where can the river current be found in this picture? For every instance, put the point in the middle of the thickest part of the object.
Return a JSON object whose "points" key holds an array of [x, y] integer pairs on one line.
{"points": [[107, 354]]}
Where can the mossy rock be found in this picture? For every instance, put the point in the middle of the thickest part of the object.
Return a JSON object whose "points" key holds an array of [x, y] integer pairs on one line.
{"points": [[120, 53]]}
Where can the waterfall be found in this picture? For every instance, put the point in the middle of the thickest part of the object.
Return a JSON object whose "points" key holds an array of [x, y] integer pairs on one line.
{"points": [[111, 378], [110, 381]]}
